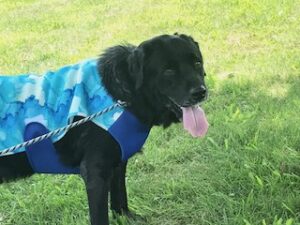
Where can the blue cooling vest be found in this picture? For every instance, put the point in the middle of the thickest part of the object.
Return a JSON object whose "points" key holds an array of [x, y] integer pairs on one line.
{"points": [[33, 105]]}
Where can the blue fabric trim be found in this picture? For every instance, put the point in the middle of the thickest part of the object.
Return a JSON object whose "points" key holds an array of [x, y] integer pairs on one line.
{"points": [[130, 133], [127, 131], [43, 156]]}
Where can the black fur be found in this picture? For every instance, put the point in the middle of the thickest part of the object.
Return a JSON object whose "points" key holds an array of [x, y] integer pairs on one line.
{"points": [[155, 79]]}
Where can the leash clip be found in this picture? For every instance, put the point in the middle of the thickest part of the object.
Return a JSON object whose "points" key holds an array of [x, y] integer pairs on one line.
{"points": [[122, 103]]}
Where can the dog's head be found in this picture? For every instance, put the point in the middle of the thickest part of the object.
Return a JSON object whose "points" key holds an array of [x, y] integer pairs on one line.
{"points": [[162, 79], [172, 67]]}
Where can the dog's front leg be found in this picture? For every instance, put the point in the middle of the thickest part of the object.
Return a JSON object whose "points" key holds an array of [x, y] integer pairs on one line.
{"points": [[97, 179], [118, 193]]}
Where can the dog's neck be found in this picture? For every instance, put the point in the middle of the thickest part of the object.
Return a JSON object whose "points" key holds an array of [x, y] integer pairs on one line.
{"points": [[147, 106]]}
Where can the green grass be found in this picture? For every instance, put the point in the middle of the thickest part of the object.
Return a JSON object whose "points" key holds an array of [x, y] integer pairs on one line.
{"points": [[245, 171]]}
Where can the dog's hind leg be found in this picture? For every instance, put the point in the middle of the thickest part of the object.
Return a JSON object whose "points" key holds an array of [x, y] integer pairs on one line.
{"points": [[118, 193], [14, 166]]}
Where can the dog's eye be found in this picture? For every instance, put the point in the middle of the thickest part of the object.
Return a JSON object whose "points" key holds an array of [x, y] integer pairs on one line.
{"points": [[198, 65]]}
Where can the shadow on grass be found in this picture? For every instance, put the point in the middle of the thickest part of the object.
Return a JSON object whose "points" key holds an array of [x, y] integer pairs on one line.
{"points": [[239, 171], [259, 130]]}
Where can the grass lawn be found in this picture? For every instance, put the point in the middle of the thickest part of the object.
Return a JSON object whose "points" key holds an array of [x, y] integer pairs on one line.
{"points": [[245, 171]]}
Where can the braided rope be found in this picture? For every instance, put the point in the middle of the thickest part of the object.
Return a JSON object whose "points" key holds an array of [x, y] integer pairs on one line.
{"points": [[10, 150]]}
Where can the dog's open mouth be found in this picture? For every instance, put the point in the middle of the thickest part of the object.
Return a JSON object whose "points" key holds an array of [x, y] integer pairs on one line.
{"points": [[193, 118]]}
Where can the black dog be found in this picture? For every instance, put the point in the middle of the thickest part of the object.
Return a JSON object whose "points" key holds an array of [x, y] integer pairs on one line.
{"points": [[156, 79]]}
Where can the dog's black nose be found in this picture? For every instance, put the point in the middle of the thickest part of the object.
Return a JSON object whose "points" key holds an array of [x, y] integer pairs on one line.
{"points": [[199, 91]]}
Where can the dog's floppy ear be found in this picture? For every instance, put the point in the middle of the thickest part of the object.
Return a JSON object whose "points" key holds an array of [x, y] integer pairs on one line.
{"points": [[135, 66]]}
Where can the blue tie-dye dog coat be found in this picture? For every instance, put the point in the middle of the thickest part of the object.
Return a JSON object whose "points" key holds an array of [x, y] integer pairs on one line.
{"points": [[29, 103]]}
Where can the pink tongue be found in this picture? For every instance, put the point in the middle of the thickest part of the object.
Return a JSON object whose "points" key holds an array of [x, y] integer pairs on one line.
{"points": [[194, 121]]}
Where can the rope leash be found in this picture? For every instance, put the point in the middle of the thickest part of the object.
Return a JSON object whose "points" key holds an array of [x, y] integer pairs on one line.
{"points": [[10, 150]]}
